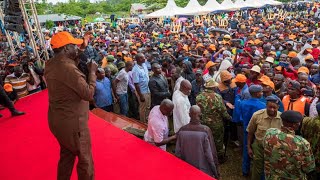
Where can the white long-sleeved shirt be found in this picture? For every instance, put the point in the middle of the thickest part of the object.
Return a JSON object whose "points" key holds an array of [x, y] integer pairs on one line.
{"points": [[177, 84], [181, 110]]}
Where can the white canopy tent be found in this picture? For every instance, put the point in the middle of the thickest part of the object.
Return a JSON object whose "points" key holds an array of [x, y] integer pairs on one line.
{"points": [[255, 3], [272, 2], [212, 5], [192, 8], [168, 11], [241, 4], [227, 5]]}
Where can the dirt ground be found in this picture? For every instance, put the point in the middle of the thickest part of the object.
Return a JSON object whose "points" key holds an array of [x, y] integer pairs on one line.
{"points": [[231, 170]]}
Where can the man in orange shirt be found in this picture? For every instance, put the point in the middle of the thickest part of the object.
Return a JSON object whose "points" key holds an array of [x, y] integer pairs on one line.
{"points": [[295, 100]]}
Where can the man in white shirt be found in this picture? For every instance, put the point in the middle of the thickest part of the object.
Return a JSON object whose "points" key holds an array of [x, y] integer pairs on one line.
{"points": [[178, 78], [181, 105], [306, 50], [120, 88], [158, 127]]}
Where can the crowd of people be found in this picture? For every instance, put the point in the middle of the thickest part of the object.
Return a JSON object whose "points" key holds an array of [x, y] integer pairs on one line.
{"points": [[257, 86]]}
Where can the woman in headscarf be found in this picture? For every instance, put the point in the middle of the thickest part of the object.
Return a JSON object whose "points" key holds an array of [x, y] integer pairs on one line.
{"points": [[225, 65], [187, 71]]}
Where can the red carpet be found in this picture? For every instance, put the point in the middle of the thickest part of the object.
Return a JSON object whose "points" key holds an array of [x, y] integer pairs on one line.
{"points": [[29, 151]]}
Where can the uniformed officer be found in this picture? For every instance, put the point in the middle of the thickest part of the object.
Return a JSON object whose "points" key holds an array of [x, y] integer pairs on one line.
{"points": [[214, 113], [260, 122], [287, 156]]}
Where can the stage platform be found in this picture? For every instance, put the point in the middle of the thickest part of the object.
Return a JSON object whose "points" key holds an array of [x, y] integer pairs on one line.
{"points": [[28, 150]]}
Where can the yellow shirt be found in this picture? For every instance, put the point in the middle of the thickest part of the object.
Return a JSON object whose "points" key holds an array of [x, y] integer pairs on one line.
{"points": [[261, 122]]}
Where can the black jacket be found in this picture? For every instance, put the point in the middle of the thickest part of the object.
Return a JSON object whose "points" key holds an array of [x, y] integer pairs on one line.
{"points": [[159, 89]]}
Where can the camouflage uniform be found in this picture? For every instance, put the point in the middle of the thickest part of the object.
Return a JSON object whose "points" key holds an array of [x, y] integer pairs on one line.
{"points": [[213, 114], [311, 132], [287, 156]]}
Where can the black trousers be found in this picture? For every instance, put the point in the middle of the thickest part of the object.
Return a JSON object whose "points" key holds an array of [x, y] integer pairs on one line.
{"points": [[5, 100]]}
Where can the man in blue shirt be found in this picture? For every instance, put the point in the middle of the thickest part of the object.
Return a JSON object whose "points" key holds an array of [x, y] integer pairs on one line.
{"points": [[103, 93], [140, 77], [315, 78], [247, 108]]}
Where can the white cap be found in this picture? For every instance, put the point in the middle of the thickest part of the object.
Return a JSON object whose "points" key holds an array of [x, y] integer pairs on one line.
{"points": [[270, 60], [256, 68]]}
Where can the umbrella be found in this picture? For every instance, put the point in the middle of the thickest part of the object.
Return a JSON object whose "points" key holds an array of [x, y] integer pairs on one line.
{"points": [[218, 30], [182, 19], [100, 19]]}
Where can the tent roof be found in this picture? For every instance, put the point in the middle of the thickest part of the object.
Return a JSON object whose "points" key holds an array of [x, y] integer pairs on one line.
{"points": [[167, 11], [227, 5], [241, 4], [192, 8], [57, 17], [212, 5], [255, 3], [272, 2]]}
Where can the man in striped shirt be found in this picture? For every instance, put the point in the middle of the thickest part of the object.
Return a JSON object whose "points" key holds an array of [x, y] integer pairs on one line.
{"points": [[18, 79]]}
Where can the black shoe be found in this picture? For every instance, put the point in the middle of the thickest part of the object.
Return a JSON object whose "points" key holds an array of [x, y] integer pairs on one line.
{"points": [[17, 113]]}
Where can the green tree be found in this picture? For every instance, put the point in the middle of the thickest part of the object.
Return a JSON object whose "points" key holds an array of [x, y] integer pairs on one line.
{"points": [[49, 24]]}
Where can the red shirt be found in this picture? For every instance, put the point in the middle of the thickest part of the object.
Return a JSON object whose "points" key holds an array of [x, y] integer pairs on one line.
{"points": [[292, 75], [315, 53]]}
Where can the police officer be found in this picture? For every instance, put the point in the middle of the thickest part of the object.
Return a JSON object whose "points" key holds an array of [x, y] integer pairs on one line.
{"points": [[258, 125]]}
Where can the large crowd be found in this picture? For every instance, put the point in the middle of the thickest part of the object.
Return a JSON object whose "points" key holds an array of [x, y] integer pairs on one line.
{"points": [[256, 85]]}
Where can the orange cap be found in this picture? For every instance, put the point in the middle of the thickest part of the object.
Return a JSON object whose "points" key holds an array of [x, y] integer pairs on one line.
{"points": [[250, 42], [303, 70], [309, 57], [264, 78], [63, 38], [268, 83], [209, 64], [292, 37], [257, 41], [199, 45], [205, 52], [316, 42], [240, 78], [212, 47], [279, 68], [292, 54], [7, 87], [309, 50], [126, 59], [119, 54]]}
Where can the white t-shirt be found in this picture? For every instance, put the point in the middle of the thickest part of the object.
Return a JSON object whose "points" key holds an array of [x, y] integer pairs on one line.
{"points": [[122, 86], [181, 110]]}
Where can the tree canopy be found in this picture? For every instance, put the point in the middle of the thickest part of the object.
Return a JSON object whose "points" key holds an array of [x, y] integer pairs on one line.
{"points": [[84, 7]]}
